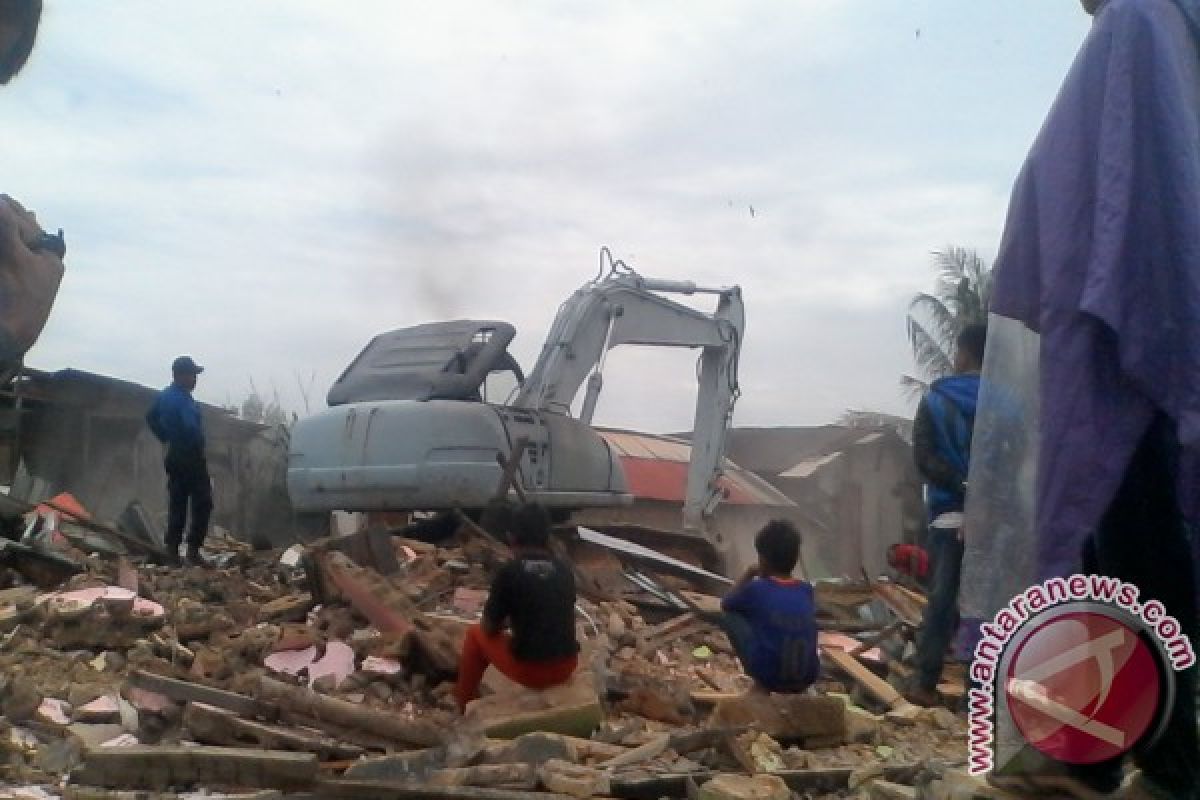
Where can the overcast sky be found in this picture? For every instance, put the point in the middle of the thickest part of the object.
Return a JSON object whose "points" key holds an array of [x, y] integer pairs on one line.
{"points": [[266, 185]]}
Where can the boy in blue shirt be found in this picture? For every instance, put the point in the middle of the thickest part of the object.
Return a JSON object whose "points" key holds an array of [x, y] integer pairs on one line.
{"points": [[770, 617]]}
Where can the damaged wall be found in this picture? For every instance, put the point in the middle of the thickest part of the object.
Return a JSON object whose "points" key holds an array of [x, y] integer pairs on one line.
{"points": [[861, 484], [86, 434]]}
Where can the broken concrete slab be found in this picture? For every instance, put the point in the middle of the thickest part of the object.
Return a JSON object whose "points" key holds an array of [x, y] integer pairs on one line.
{"points": [[510, 776], [418, 732], [145, 701], [381, 603], [120, 602], [886, 790], [539, 747], [53, 712], [90, 736], [745, 787], [146, 767], [212, 725], [374, 790], [572, 709], [289, 608], [573, 779], [397, 767], [103, 709], [794, 717], [186, 691]]}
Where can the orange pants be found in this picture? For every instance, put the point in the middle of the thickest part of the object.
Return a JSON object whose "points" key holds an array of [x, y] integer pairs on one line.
{"points": [[480, 650]]}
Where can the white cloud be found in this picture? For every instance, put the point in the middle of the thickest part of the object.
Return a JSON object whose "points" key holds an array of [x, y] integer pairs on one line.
{"points": [[266, 185]]}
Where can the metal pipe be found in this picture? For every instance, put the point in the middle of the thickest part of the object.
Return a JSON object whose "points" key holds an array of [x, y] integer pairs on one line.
{"points": [[679, 287]]}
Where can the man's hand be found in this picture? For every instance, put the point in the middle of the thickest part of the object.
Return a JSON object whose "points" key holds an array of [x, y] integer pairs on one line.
{"points": [[750, 574], [30, 274]]}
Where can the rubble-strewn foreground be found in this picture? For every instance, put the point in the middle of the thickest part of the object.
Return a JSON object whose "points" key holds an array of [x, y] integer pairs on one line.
{"points": [[326, 671]]}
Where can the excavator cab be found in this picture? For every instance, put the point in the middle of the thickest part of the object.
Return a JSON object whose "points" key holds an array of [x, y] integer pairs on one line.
{"points": [[410, 425], [436, 361]]}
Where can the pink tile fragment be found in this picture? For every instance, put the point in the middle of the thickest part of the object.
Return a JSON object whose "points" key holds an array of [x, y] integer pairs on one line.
{"points": [[54, 711], [337, 661], [84, 598]]}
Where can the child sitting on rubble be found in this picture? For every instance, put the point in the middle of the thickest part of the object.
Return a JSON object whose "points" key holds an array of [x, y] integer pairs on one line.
{"points": [[770, 617], [534, 597]]}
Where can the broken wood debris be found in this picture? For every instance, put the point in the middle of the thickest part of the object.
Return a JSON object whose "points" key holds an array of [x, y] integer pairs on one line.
{"points": [[653, 710]]}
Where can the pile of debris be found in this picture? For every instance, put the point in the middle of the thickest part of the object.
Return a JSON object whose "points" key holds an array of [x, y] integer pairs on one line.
{"points": [[326, 671]]}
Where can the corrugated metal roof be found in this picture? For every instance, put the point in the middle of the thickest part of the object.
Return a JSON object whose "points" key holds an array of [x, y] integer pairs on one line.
{"points": [[637, 445], [809, 466], [656, 469]]}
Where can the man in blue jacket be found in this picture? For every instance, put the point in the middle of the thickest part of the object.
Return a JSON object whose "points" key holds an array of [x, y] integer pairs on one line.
{"points": [[942, 448], [175, 420]]}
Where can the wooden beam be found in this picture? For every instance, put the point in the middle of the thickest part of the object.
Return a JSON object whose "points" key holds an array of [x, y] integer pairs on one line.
{"points": [[875, 686]]}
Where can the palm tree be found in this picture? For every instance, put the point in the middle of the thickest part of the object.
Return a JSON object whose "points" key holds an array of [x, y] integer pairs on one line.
{"points": [[961, 298]]}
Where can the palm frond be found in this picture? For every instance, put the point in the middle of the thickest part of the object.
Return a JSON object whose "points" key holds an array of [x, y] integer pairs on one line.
{"points": [[961, 296], [928, 351], [942, 321]]}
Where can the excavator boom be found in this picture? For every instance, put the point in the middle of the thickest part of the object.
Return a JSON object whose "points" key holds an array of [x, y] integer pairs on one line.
{"points": [[410, 428]]}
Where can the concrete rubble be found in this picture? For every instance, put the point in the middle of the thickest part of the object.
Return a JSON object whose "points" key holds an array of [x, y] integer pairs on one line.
{"points": [[325, 671]]}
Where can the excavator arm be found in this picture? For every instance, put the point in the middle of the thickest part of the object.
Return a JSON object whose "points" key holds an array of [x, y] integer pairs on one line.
{"points": [[626, 308]]}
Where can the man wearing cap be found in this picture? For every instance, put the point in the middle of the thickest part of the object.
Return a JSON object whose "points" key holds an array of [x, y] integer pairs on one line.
{"points": [[175, 420]]}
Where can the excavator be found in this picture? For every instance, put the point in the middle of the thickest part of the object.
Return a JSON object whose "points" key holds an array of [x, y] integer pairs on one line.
{"points": [[411, 426]]}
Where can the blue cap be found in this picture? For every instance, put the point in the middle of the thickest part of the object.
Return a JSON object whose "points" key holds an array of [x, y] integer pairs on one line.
{"points": [[184, 365]]}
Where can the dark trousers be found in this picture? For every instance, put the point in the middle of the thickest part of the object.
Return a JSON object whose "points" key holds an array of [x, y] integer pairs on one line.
{"points": [[940, 621], [187, 483], [741, 635], [1142, 539]]}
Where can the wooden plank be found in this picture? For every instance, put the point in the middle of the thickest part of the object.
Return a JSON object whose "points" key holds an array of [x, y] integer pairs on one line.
{"points": [[186, 692], [900, 601], [877, 638], [148, 767], [877, 687]]}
